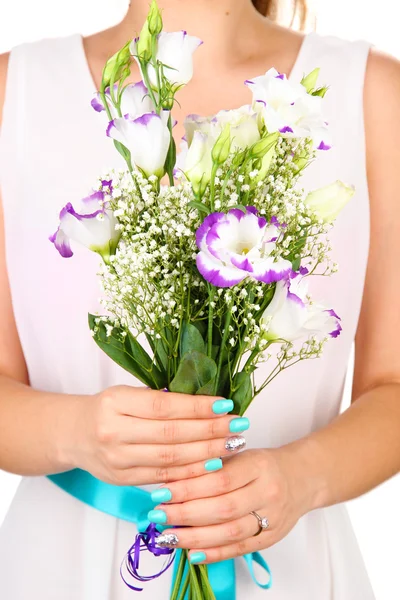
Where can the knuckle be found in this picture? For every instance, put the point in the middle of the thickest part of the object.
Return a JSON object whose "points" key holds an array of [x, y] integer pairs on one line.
{"points": [[197, 407], [213, 428], [168, 456], [162, 475], [104, 433], [224, 482], [183, 492], [182, 516], [274, 491], [169, 431], [210, 449], [228, 509], [160, 405], [241, 547], [234, 531]]}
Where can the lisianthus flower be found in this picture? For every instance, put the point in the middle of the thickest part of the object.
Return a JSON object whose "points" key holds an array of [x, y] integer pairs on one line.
{"points": [[175, 51], [135, 101], [291, 315], [288, 108], [147, 138], [327, 202], [238, 245], [94, 226]]}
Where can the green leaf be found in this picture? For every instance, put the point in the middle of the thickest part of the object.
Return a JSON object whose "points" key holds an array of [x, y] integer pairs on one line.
{"points": [[242, 392], [321, 91], [310, 81], [191, 339], [127, 353], [296, 263], [195, 372], [201, 207]]}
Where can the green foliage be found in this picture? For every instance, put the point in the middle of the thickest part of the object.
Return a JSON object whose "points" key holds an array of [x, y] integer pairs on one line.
{"points": [[242, 392], [191, 340], [127, 352], [195, 375]]}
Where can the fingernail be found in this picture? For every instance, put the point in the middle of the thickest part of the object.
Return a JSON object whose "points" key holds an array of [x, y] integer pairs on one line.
{"points": [[235, 443], [197, 557], [161, 495], [157, 516], [222, 406], [215, 464], [166, 540], [238, 425]]}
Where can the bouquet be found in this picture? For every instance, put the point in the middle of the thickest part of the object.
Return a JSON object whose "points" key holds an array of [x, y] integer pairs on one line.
{"points": [[205, 279]]}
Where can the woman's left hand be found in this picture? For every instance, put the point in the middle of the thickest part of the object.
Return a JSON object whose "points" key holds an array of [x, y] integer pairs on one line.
{"points": [[212, 512]]}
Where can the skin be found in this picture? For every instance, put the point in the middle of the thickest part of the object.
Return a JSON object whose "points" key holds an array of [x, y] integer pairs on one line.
{"points": [[112, 433]]}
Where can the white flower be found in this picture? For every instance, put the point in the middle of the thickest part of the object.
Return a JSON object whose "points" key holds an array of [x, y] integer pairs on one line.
{"points": [[327, 202], [289, 109], [175, 52], [147, 138], [135, 101], [94, 226], [291, 316]]}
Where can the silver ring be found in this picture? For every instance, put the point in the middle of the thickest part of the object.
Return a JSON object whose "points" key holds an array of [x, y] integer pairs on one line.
{"points": [[263, 522]]}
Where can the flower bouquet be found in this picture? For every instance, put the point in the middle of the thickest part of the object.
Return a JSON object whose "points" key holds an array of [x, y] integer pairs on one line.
{"points": [[205, 279]]}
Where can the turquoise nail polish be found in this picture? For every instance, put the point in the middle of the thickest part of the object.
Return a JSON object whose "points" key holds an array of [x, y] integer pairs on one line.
{"points": [[215, 464], [197, 557], [161, 495], [238, 425], [221, 407], [157, 516]]}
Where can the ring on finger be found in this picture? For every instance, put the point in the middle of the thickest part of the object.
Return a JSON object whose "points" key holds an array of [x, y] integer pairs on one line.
{"points": [[263, 523]]}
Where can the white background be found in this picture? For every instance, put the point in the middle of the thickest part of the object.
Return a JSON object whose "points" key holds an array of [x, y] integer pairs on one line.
{"points": [[375, 516]]}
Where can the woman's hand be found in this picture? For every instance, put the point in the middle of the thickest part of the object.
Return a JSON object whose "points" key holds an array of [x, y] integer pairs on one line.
{"points": [[214, 510], [136, 436]]}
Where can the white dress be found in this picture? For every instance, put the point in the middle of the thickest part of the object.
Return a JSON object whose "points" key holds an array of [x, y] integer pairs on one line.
{"points": [[53, 547]]}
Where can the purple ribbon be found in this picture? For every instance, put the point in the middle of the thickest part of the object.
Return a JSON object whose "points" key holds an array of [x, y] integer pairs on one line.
{"points": [[145, 541]]}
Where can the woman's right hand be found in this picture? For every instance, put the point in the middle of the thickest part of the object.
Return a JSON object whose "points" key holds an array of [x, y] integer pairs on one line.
{"points": [[135, 436]]}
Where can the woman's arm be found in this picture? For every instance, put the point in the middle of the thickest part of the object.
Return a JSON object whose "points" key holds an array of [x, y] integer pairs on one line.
{"points": [[361, 448]]}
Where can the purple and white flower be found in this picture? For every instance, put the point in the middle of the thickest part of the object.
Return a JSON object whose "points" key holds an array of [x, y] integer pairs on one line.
{"points": [[135, 101], [175, 51], [93, 226], [146, 137], [238, 245], [291, 315], [327, 202], [289, 109]]}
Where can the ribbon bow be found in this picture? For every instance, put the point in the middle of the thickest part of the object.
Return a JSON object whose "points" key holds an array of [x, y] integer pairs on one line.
{"points": [[132, 504]]}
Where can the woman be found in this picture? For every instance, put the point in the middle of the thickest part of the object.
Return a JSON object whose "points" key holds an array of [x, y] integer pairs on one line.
{"points": [[65, 405]]}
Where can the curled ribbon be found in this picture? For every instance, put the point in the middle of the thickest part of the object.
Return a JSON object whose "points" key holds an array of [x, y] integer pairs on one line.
{"points": [[132, 504]]}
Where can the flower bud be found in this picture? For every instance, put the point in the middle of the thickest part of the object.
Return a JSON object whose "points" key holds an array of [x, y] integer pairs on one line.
{"points": [[117, 66], [328, 201], [154, 19], [310, 81], [261, 148], [222, 146], [144, 44]]}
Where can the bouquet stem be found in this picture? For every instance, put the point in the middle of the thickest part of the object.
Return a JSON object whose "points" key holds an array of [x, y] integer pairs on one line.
{"points": [[193, 578]]}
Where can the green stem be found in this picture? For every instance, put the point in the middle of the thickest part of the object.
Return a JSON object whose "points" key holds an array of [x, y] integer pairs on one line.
{"points": [[211, 294], [225, 335], [194, 583], [185, 587], [212, 186], [206, 582], [148, 85], [179, 576]]}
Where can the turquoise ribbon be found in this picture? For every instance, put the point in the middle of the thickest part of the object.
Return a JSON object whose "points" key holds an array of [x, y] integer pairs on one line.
{"points": [[132, 504]]}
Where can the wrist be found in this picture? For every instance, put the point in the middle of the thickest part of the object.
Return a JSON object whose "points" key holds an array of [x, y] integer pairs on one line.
{"points": [[308, 473], [67, 421]]}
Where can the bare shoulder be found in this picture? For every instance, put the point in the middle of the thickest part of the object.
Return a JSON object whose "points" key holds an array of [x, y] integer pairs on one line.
{"points": [[382, 93], [4, 58]]}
